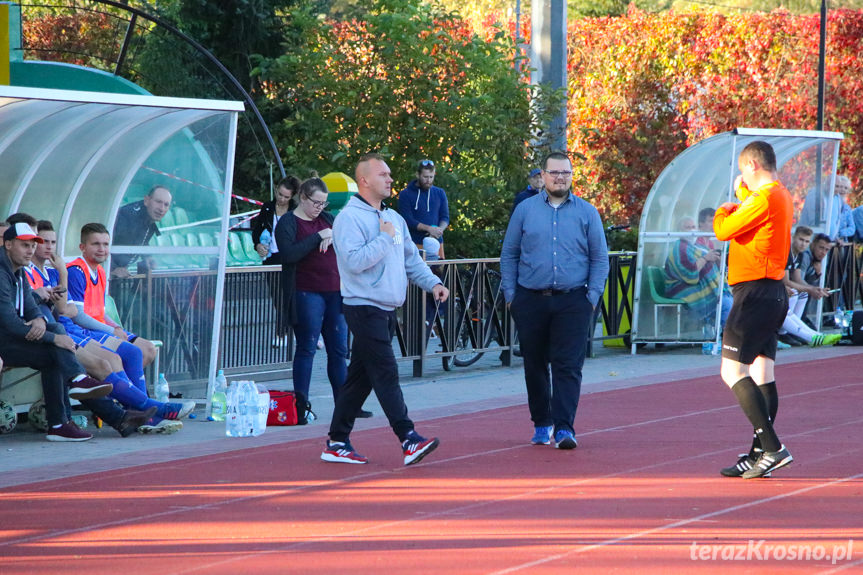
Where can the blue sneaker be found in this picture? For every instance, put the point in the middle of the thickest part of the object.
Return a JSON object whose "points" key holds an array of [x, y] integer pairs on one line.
{"points": [[565, 439], [542, 435], [176, 409]]}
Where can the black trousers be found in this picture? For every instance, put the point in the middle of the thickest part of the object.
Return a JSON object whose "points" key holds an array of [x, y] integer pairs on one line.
{"points": [[57, 367], [553, 332], [373, 367], [274, 283]]}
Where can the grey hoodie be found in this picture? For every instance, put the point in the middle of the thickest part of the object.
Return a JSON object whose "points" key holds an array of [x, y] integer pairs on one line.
{"points": [[374, 267]]}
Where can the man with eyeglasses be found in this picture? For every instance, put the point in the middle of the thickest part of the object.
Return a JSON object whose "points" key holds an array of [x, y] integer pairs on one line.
{"points": [[136, 225], [424, 207], [554, 263]]}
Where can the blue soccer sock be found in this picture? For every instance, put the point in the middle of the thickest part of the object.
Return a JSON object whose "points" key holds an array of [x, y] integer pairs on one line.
{"points": [[128, 394], [133, 364]]}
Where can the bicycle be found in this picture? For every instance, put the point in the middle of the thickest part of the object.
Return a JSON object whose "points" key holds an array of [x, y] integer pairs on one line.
{"points": [[480, 316]]}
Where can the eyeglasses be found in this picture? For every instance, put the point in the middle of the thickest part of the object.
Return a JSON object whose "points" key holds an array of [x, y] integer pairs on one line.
{"points": [[426, 164], [318, 204], [559, 173]]}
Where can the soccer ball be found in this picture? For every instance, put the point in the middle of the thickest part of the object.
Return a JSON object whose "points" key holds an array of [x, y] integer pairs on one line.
{"points": [[8, 417], [37, 416]]}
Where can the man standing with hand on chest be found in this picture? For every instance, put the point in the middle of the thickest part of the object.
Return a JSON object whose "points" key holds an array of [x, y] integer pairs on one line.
{"points": [[376, 258]]}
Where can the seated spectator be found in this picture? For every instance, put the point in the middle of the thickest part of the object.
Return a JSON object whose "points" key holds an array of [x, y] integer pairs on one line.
{"points": [[813, 265], [98, 353], [692, 274], [535, 184], [136, 225], [26, 341], [88, 287], [794, 330], [812, 262], [705, 224]]}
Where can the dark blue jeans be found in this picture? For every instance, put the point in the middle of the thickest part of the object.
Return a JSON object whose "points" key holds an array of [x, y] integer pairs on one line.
{"points": [[373, 366], [320, 313], [553, 331]]}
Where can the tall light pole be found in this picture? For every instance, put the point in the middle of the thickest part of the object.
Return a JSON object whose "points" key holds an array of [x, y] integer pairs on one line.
{"points": [[548, 58], [822, 49], [819, 121]]}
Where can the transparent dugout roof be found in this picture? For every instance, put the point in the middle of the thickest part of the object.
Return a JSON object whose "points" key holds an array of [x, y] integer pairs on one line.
{"points": [[702, 177], [76, 157]]}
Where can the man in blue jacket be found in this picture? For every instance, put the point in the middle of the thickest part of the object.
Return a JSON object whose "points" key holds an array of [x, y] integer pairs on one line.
{"points": [[375, 262], [424, 207]]}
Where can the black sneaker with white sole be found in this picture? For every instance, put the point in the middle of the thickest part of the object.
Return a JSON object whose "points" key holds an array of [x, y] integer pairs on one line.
{"points": [[768, 462], [744, 464]]}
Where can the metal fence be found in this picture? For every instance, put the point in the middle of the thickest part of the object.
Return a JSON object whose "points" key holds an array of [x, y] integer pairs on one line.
{"points": [[177, 308]]}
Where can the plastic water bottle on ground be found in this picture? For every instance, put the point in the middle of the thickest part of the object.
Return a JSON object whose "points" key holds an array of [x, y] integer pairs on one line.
{"points": [[162, 389], [248, 401], [233, 425], [710, 347], [262, 409], [219, 403]]}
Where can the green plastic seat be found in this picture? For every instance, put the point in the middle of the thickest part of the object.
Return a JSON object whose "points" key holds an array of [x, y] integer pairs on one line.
{"points": [[656, 284]]}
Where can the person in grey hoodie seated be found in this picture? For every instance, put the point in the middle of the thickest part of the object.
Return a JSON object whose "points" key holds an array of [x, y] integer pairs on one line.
{"points": [[376, 258]]}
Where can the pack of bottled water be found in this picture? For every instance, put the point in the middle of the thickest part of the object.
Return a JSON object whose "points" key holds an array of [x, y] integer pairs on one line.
{"points": [[248, 405]]}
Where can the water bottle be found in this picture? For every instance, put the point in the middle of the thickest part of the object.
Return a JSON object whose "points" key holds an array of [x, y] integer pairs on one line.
{"points": [[248, 408], [710, 347], [219, 403], [266, 238], [162, 389], [262, 409], [80, 420], [232, 413]]}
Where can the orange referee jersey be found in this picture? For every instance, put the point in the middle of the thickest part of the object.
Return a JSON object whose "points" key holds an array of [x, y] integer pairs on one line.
{"points": [[759, 230]]}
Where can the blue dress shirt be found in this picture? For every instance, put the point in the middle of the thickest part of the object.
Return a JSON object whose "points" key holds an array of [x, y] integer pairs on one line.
{"points": [[560, 248]]}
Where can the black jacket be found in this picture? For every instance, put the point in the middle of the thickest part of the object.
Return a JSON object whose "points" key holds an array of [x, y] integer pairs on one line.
{"points": [[133, 227], [17, 305], [290, 253], [264, 221]]}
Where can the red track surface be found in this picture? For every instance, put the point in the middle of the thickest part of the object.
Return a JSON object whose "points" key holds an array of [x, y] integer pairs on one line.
{"points": [[639, 492]]}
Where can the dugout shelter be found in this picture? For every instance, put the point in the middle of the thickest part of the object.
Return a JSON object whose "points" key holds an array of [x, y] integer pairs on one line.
{"points": [[702, 176]]}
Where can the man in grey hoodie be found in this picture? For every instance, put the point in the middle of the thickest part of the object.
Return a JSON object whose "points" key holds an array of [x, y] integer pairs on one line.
{"points": [[376, 258]]}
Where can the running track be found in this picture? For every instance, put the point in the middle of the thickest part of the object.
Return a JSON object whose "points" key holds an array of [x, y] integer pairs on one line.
{"points": [[641, 489]]}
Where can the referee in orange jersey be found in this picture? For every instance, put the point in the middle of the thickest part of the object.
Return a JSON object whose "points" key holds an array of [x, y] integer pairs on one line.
{"points": [[759, 231]]}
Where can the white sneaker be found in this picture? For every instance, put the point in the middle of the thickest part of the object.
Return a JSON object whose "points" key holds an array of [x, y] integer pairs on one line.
{"points": [[320, 343]]}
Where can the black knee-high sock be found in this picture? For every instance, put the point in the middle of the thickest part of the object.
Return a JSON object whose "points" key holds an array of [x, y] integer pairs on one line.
{"points": [[755, 407], [771, 397]]}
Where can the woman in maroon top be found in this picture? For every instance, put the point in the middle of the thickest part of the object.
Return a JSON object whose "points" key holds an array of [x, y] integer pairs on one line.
{"points": [[311, 286]]}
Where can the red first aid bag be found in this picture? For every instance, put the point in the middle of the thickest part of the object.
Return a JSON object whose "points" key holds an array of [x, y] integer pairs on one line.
{"points": [[288, 408]]}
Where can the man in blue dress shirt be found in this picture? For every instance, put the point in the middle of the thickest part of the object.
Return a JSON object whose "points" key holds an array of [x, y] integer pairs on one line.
{"points": [[554, 263]]}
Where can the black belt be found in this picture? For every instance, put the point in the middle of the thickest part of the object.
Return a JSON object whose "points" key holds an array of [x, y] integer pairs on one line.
{"points": [[549, 291]]}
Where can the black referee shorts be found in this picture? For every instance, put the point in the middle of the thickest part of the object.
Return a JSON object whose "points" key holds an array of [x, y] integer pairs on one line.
{"points": [[757, 314]]}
